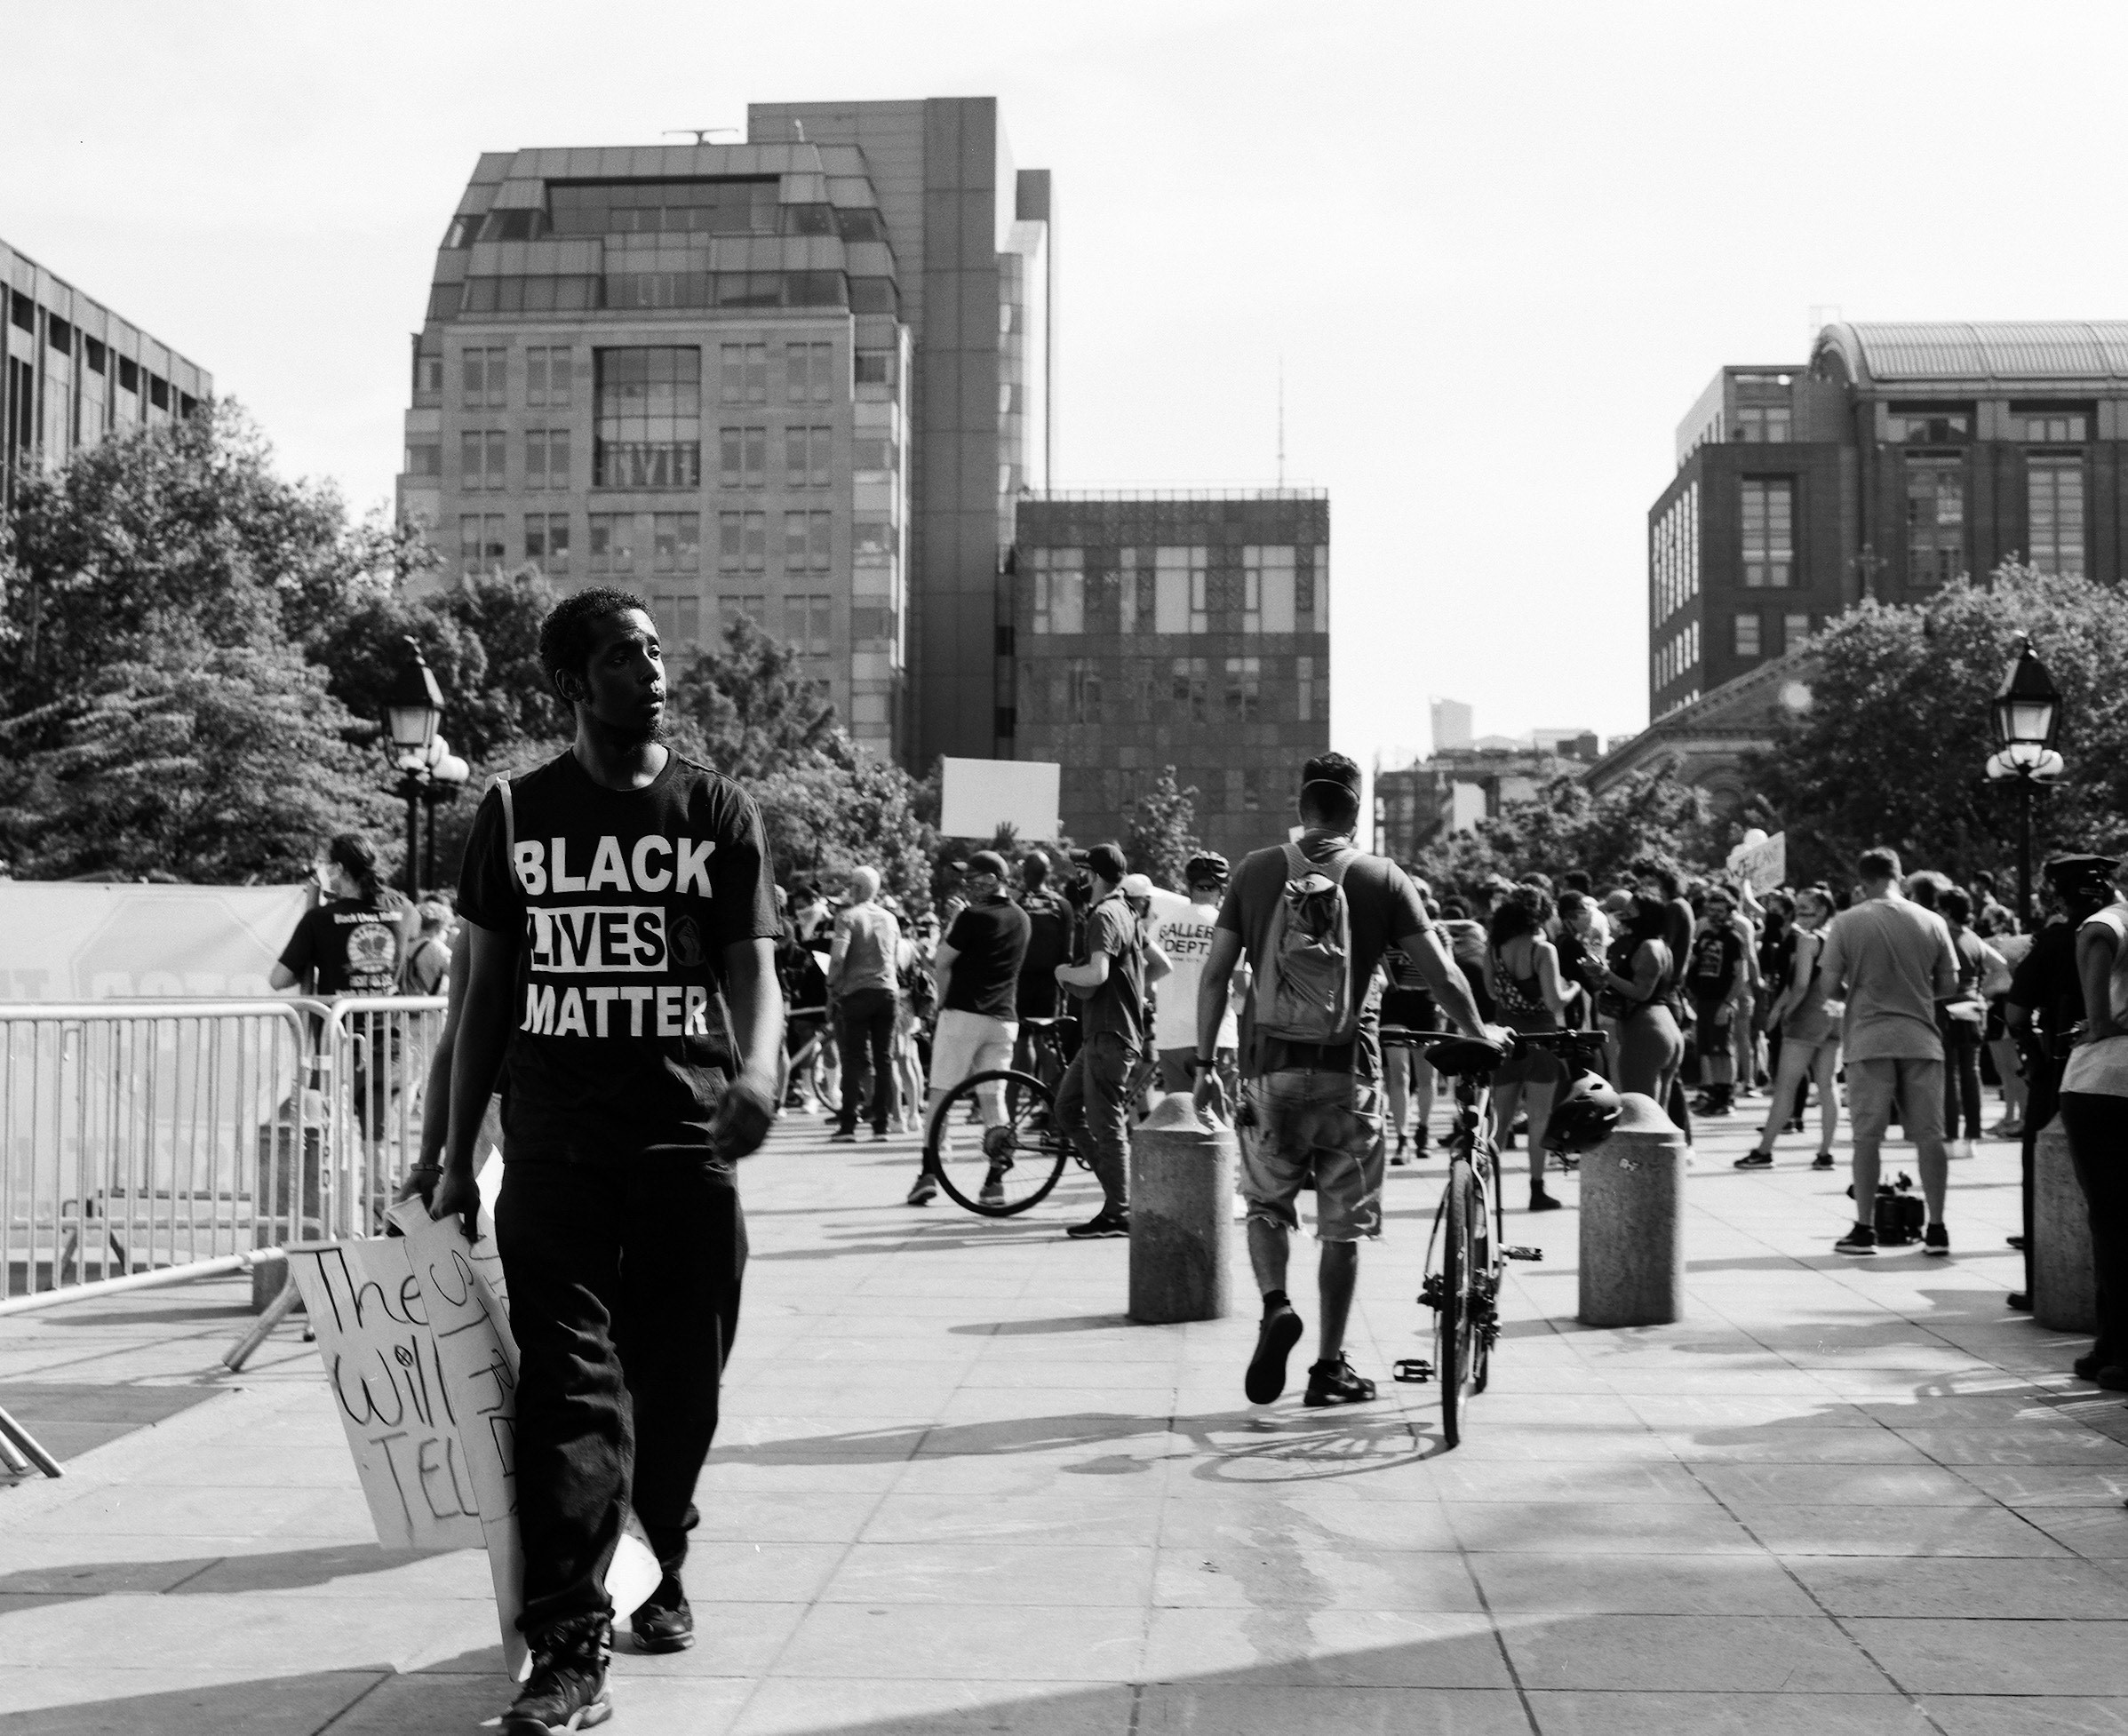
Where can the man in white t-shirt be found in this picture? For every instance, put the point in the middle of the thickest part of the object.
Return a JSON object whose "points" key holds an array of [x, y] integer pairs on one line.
{"points": [[1182, 927]]}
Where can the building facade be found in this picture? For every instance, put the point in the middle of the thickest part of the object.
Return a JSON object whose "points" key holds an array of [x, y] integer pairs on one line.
{"points": [[800, 380], [1897, 459], [75, 372], [1455, 788], [1180, 628]]}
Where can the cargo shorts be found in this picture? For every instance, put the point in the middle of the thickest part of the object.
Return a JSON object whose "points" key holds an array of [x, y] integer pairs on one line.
{"points": [[1317, 1127]]}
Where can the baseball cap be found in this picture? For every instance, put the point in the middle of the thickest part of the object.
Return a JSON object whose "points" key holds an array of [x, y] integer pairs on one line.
{"points": [[1136, 885], [2071, 873], [1107, 861], [986, 862]]}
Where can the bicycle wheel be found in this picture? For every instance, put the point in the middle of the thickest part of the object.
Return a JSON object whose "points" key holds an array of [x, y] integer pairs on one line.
{"points": [[1010, 1162], [1454, 1341]]}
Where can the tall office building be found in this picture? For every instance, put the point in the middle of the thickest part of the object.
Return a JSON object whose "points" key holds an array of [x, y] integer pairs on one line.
{"points": [[1451, 724], [1183, 628], [1897, 458], [75, 372], [802, 380]]}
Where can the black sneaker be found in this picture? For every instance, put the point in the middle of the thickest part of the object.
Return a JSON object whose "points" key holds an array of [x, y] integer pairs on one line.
{"points": [[925, 1191], [1936, 1240], [568, 1689], [838, 1137], [1101, 1226], [1542, 1201], [1823, 1160], [663, 1622], [1754, 1161], [1860, 1239], [1275, 1339], [1335, 1383]]}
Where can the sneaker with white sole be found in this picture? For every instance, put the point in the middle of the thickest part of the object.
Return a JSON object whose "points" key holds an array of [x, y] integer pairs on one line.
{"points": [[1860, 1239], [568, 1688], [925, 1191], [1936, 1240], [1102, 1225]]}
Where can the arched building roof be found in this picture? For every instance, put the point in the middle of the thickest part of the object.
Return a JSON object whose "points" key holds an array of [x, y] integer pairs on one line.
{"points": [[2031, 353]]}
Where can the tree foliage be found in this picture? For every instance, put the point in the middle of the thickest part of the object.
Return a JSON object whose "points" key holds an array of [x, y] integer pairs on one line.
{"points": [[1649, 812], [1893, 746], [1159, 830]]}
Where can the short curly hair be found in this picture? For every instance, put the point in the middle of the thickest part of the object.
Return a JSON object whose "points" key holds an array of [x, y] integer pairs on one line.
{"points": [[565, 635]]}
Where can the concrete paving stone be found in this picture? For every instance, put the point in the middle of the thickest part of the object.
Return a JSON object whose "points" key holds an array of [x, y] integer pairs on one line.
{"points": [[1781, 1445], [1639, 1585], [978, 1642], [1252, 1708], [1482, 1439], [1777, 1381], [1460, 1479], [1838, 1485], [1602, 1528], [1673, 1411], [1789, 1714], [783, 1707], [2100, 1532], [1752, 1654], [1952, 1586], [992, 1572], [95, 1699], [354, 1571], [1103, 1513], [178, 1511], [732, 1639], [1308, 1519], [2052, 1485], [2011, 1714], [1278, 1572], [749, 1472], [426, 1701], [1934, 1656], [787, 1517], [1894, 1531], [1330, 1648], [2017, 1446]]}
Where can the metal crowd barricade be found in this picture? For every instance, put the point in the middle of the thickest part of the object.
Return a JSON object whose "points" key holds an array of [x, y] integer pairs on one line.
{"points": [[152, 1142]]}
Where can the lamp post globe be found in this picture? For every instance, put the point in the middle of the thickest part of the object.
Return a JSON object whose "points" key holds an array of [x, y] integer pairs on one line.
{"points": [[412, 709], [2024, 716]]}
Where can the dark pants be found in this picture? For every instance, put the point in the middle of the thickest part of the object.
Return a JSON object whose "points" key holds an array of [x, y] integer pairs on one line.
{"points": [[623, 1298], [2097, 1141], [864, 1028], [1961, 1076], [1091, 1111], [2043, 1099]]}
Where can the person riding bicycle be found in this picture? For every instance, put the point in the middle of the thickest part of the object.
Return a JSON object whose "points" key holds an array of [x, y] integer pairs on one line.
{"points": [[1183, 927], [1312, 1073]]}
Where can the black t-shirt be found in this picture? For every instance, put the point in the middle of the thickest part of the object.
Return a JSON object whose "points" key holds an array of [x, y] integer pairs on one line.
{"points": [[622, 903], [1715, 954], [356, 945], [990, 941], [1048, 944], [2045, 983]]}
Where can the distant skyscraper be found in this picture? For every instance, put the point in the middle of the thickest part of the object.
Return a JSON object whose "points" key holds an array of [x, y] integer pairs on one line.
{"points": [[1451, 724], [75, 372], [802, 380]]}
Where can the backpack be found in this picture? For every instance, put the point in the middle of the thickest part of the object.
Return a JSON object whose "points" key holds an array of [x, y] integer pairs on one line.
{"points": [[1304, 991], [1900, 1216]]}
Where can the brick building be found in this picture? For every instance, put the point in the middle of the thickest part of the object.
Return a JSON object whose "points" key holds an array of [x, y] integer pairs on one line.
{"points": [[1185, 628], [1898, 458]]}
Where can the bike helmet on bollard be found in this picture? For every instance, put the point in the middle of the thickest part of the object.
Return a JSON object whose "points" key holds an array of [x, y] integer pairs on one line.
{"points": [[1584, 1115]]}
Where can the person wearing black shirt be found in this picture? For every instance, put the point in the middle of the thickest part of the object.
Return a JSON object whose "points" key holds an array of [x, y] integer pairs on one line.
{"points": [[621, 924], [1048, 945], [1715, 975]]}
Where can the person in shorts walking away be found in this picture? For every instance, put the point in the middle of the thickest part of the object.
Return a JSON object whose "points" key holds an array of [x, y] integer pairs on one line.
{"points": [[863, 987], [1892, 962], [621, 924], [1122, 964], [977, 971], [1311, 1058]]}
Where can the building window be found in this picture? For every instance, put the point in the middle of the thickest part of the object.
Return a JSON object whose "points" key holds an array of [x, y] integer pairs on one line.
{"points": [[1267, 589], [483, 460], [875, 367], [546, 541], [808, 457], [1179, 589], [1761, 424], [1186, 692], [484, 377], [480, 541], [1747, 636], [1244, 688], [806, 542], [676, 542], [1769, 550], [648, 418], [679, 617], [743, 458], [2050, 426], [1082, 690], [546, 371], [1935, 520], [547, 459], [1303, 688], [1059, 590], [743, 374], [613, 542], [428, 374], [1136, 591], [808, 373], [808, 623], [743, 541], [2054, 515], [424, 458], [752, 607], [1928, 424]]}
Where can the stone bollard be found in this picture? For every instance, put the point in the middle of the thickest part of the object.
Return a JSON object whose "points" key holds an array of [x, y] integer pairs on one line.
{"points": [[1182, 1200], [1632, 1252], [2065, 1294], [270, 1278]]}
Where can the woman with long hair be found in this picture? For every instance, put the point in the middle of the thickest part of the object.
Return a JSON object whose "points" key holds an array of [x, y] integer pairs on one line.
{"points": [[1810, 1039], [1522, 976], [1639, 993]]}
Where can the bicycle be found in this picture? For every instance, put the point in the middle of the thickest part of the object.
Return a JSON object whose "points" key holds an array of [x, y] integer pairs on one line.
{"points": [[1468, 1253], [1023, 1152]]}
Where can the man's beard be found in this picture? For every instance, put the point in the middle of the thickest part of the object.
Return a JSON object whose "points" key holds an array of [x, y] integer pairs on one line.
{"points": [[626, 736]]}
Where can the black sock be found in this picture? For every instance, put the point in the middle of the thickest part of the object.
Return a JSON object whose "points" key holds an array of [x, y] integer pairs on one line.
{"points": [[1273, 1300]]}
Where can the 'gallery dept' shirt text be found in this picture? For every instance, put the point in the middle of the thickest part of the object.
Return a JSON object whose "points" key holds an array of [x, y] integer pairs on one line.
{"points": [[1184, 932], [623, 901]]}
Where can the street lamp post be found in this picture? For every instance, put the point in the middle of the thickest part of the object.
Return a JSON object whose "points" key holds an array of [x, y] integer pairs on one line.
{"points": [[2025, 716], [423, 758]]}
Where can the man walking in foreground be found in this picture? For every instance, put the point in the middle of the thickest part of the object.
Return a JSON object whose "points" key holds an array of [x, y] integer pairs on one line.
{"points": [[621, 925], [1311, 1072], [1892, 962]]}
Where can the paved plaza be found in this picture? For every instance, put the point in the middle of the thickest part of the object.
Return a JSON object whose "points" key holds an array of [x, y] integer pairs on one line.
{"points": [[955, 1491]]}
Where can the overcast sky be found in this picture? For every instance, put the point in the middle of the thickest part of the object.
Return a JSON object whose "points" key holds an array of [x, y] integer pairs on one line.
{"points": [[1499, 249]]}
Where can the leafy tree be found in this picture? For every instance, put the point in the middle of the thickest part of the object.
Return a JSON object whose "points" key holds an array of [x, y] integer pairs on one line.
{"points": [[1649, 812], [827, 815], [1893, 746], [1159, 830], [750, 706]]}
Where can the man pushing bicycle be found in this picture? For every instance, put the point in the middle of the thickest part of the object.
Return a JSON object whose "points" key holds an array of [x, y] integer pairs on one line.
{"points": [[1314, 919]]}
